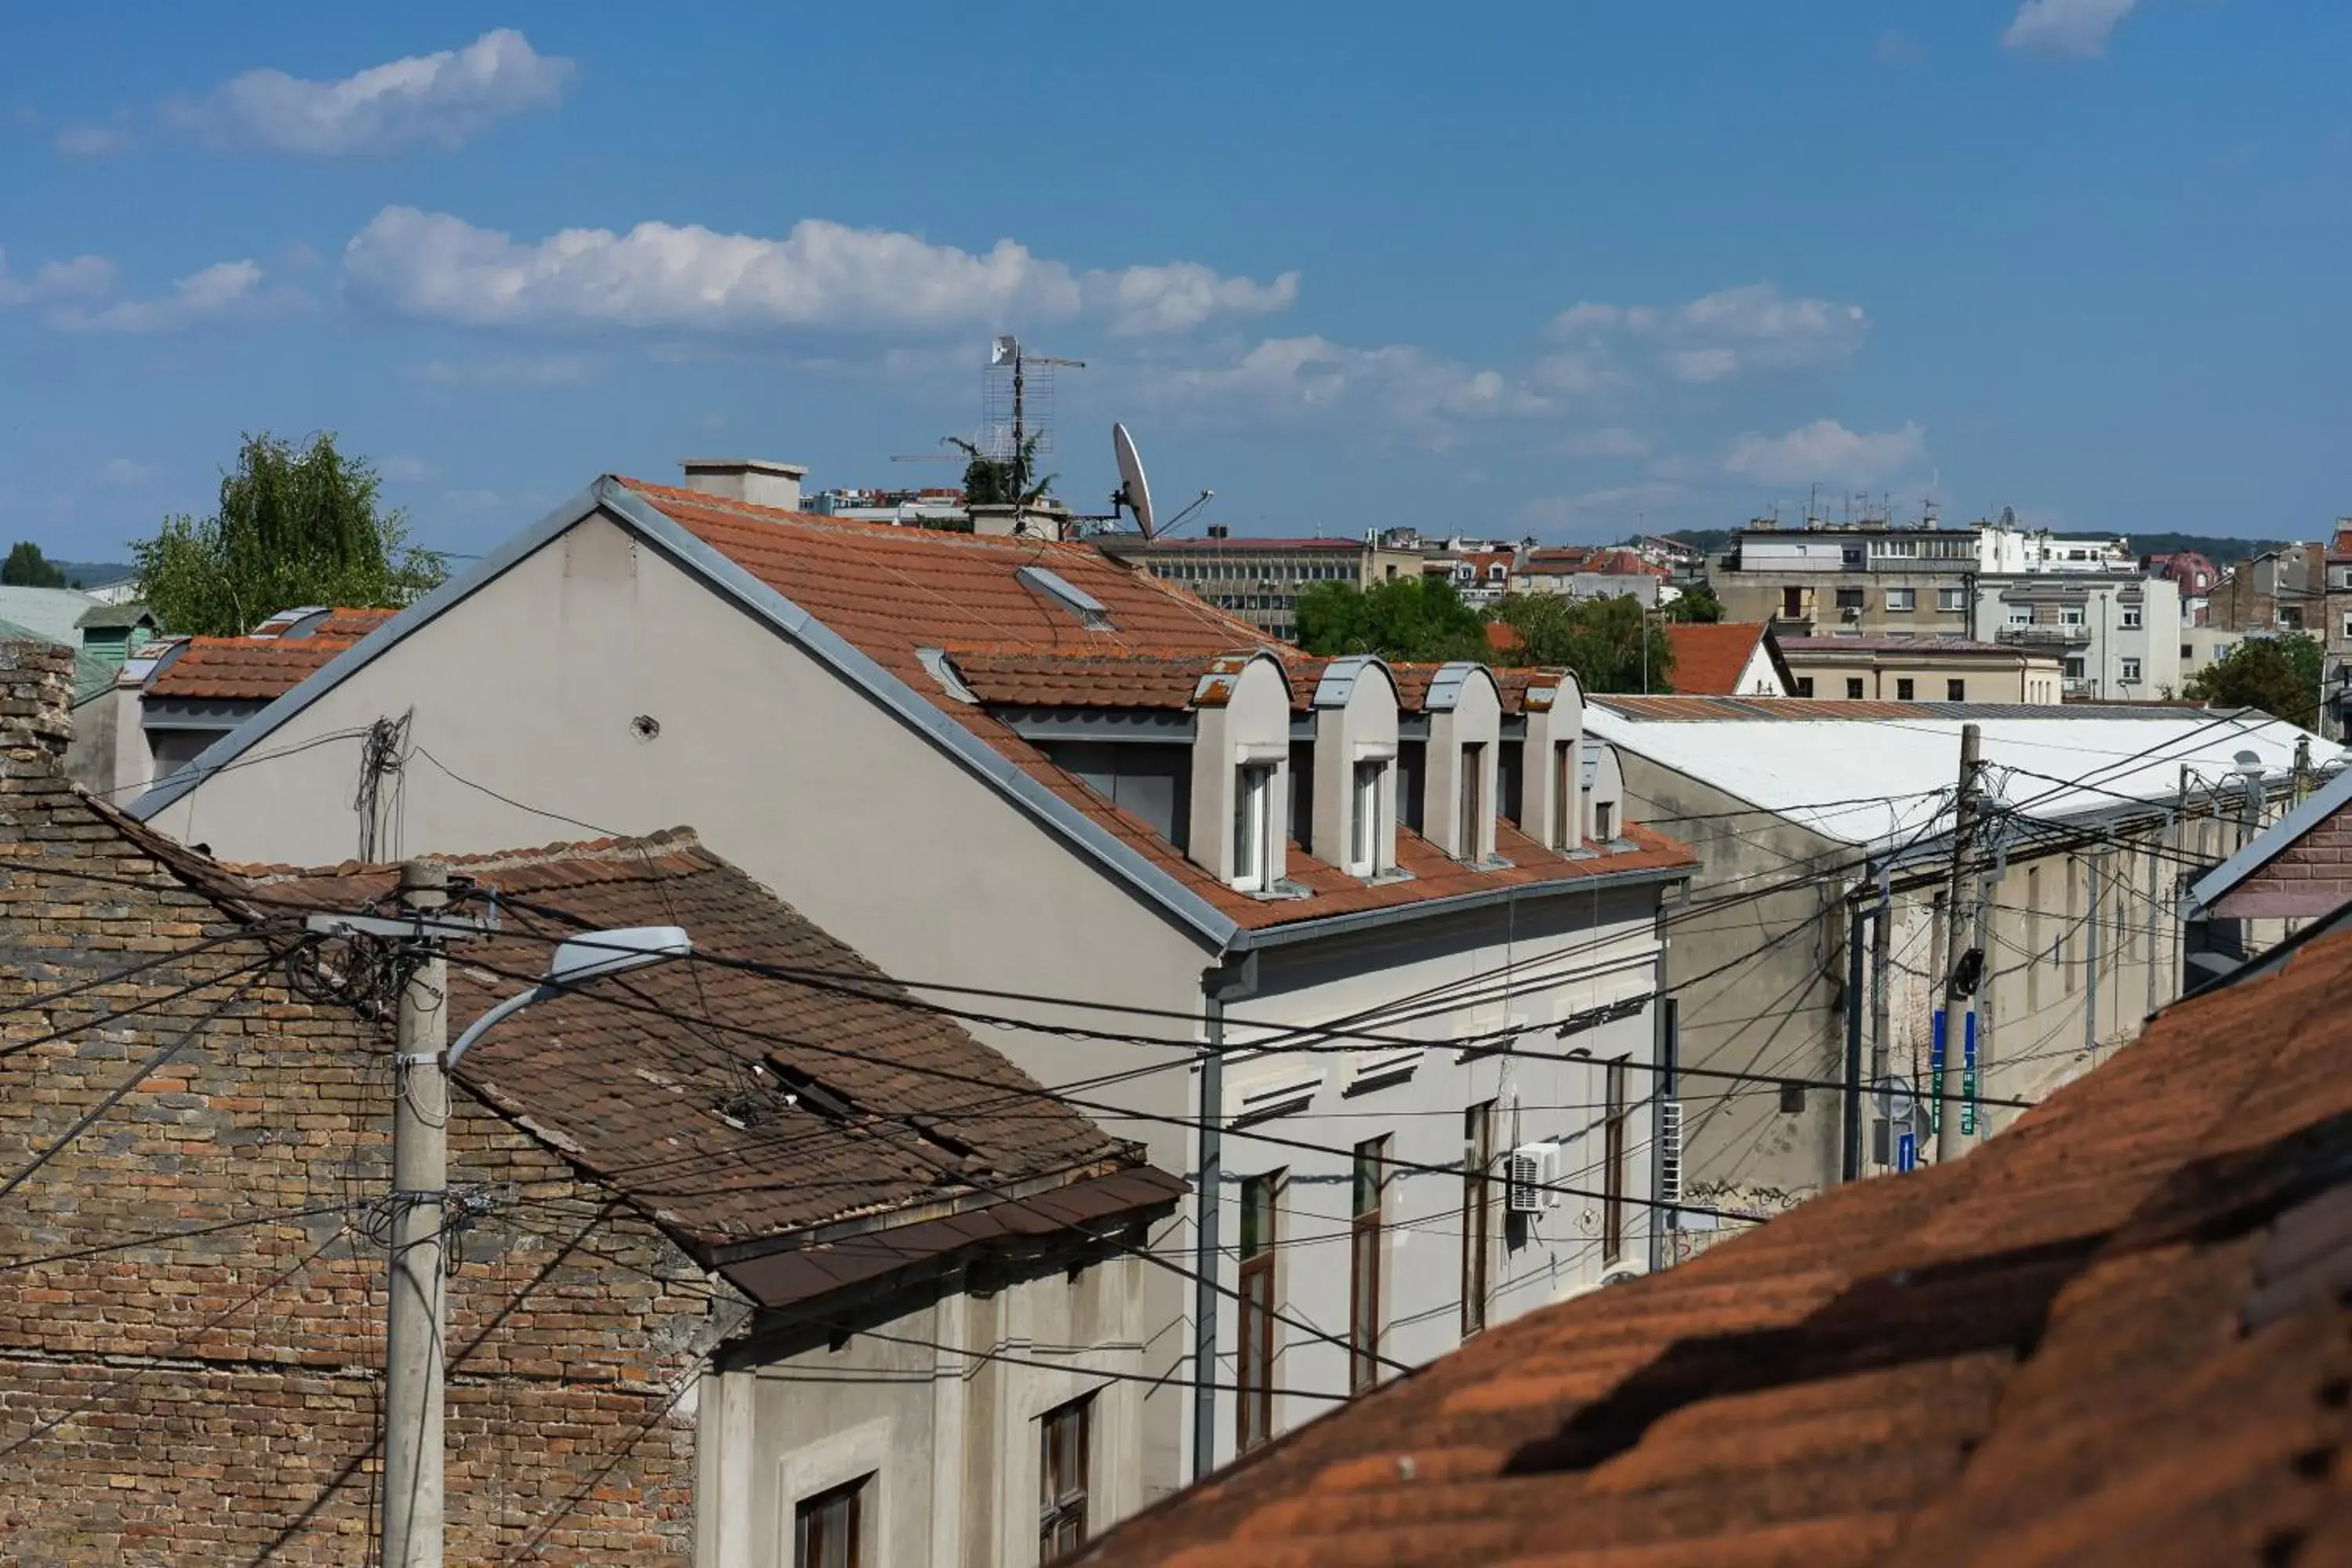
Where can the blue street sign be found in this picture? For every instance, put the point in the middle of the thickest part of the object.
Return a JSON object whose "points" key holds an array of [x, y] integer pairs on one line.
{"points": [[1936, 1074], [1968, 1076], [1906, 1152]]}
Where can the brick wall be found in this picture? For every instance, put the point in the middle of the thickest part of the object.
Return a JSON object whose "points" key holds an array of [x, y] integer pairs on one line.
{"points": [[213, 1398], [2311, 878]]}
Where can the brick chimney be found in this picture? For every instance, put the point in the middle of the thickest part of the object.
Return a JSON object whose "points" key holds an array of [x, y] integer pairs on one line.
{"points": [[753, 479], [36, 695]]}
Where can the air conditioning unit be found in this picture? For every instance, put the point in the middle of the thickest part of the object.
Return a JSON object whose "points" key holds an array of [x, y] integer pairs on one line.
{"points": [[1529, 1173], [1670, 1150]]}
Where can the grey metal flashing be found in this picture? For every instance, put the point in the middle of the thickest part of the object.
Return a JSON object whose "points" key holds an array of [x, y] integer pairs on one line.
{"points": [[1338, 682], [2273, 840], [1145, 726], [1445, 686], [349, 662], [195, 712], [1437, 908]]}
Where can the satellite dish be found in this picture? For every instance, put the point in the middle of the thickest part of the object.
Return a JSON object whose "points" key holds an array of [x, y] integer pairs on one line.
{"points": [[1134, 491]]}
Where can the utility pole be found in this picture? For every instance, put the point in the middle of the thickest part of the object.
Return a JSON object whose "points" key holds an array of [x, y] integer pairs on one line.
{"points": [[1882, 1014], [1851, 1164], [420, 1177], [1975, 1037], [1209, 1199], [1949, 1145]]}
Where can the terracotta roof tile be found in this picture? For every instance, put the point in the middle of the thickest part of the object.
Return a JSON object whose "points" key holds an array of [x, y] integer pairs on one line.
{"points": [[262, 668], [1709, 659], [1018, 677], [892, 591], [2116, 1333], [650, 1101]]}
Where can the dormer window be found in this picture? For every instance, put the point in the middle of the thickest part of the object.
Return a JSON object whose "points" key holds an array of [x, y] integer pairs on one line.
{"points": [[1472, 836], [1567, 786], [1253, 826], [1604, 820]]}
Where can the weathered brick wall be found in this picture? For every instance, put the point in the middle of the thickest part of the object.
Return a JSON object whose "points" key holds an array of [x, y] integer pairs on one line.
{"points": [[2311, 878], [215, 1397]]}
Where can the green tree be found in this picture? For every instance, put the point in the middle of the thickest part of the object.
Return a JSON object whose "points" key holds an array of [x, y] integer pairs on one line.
{"points": [[1698, 604], [1415, 620], [1002, 481], [2278, 675], [296, 526], [1603, 640], [26, 567]]}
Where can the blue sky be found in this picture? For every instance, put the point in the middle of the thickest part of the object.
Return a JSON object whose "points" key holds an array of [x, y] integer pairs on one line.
{"points": [[1563, 270]]}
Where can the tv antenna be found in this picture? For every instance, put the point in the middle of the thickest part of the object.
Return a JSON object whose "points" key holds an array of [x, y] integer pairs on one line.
{"points": [[1016, 395]]}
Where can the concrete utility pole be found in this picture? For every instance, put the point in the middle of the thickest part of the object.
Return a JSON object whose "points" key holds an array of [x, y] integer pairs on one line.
{"points": [[1209, 1199], [1948, 1144], [420, 1177], [1882, 1013]]}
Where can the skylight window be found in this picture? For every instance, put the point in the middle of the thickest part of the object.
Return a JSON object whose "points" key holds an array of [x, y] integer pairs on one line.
{"points": [[1090, 611]]}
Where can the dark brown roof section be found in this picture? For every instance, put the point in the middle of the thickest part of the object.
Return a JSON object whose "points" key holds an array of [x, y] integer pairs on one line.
{"points": [[747, 1114], [2115, 1335]]}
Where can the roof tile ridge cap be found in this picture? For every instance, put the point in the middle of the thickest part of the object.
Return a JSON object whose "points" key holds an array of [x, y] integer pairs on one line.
{"points": [[615, 848]]}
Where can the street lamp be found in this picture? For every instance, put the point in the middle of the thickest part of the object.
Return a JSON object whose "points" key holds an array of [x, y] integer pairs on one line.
{"points": [[414, 1365]]}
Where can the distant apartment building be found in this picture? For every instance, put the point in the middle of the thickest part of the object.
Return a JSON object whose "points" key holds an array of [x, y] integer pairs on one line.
{"points": [[1923, 669], [2192, 573], [933, 508], [1481, 575], [2335, 679], [1260, 580], [2278, 591], [1584, 572], [1873, 581], [2117, 635]]}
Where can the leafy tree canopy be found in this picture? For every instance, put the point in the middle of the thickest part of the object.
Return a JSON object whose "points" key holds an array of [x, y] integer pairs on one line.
{"points": [[295, 526], [2278, 675], [1603, 640], [26, 567], [1697, 605], [1002, 481], [1409, 619]]}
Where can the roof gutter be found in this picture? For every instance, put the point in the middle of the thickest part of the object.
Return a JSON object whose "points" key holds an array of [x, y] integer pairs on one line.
{"points": [[1334, 926]]}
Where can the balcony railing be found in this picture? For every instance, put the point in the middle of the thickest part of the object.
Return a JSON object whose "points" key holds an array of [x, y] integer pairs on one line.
{"points": [[2047, 636]]}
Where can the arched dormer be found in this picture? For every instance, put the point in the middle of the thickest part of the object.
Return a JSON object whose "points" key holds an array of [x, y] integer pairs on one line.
{"points": [[1241, 772], [1604, 794], [1459, 779], [1551, 762], [1355, 808]]}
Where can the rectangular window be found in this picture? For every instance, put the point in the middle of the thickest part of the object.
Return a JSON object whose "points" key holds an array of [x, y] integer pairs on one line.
{"points": [[829, 1529], [1849, 598], [2070, 614], [1564, 786], [1805, 686], [1951, 601], [1253, 800], [1604, 820], [1364, 820], [1474, 799], [1902, 600], [2075, 669], [2021, 614], [2131, 671], [1254, 1365], [2131, 619], [1477, 1212], [1615, 1112], [1062, 1450], [1792, 603], [2033, 954], [1956, 691], [1904, 687], [1853, 689], [1364, 1243]]}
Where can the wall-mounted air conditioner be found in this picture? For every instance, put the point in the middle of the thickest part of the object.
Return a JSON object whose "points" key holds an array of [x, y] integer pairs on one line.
{"points": [[1528, 1176]]}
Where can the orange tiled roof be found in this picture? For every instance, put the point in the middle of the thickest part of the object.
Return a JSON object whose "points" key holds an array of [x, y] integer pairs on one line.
{"points": [[262, 668], [2115, 1335], [892, 591], [1018, 677], [1709, 659]]}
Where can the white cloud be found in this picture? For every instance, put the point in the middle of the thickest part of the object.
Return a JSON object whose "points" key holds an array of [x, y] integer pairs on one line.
{"points": [[509, 370], [436, 101], [1183, 295], [1312, 376], [1712, 338], [821, 274], [93, 141], [1828, 451], [121, 474], [227, 288], [83, 278], [1608, 441], [2074, 29], [404, 470]]}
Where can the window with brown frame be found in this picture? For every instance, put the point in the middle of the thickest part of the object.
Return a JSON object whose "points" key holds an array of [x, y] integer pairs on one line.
{"points": [[1614, 1113], [1253, 1377], [1064, 1444], [1477, 1212], [1364, 1240], [1565, 787], [829, 1529], [1474, 799]]}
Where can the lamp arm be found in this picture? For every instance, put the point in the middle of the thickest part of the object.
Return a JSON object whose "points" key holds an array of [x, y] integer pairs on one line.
{"points": [[497, 1015]]}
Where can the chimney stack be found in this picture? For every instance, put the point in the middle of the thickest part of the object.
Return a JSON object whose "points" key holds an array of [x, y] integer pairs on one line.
{"points": [[37, 692], [753, 481]]}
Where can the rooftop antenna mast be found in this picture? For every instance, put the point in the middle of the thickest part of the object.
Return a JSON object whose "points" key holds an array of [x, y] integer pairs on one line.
{"points": [[1017, 393]]}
